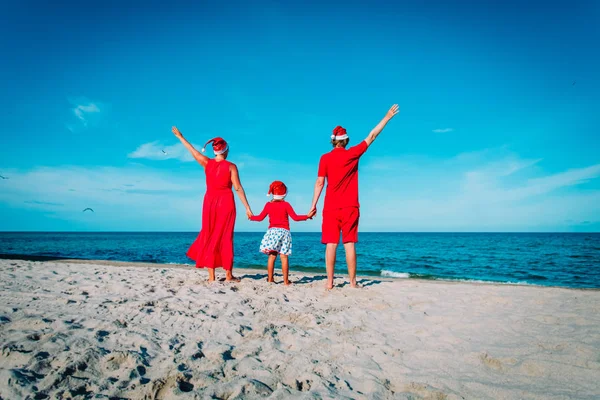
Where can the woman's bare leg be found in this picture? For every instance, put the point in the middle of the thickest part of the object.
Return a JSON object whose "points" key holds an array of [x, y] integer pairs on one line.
{"points": [[271, 267], [285, 268], [229, 276], [211, 274]]}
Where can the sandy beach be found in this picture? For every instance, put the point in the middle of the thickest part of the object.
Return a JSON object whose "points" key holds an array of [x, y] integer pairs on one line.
{"points": [[71, 329]]}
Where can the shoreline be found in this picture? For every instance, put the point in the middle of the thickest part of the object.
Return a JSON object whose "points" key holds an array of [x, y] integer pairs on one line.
{"points": [[141, 264]]}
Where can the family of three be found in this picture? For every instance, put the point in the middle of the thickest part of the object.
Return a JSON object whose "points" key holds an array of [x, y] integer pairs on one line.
{"points": [[213, 248]]}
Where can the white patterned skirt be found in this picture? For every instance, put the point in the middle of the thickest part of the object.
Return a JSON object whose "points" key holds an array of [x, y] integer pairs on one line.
{"points": [[277, 240]]}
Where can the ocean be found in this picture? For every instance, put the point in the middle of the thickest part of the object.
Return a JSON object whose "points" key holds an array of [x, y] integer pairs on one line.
{"points": [[547, 259]]}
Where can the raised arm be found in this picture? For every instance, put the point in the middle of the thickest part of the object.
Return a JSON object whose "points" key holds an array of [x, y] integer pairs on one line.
{"points": [[319, 184], [201, 158], [261, 216], [379, 127], [237, 185]]}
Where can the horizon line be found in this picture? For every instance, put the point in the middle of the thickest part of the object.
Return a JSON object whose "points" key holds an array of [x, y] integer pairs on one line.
{"points": [[262, 231]]}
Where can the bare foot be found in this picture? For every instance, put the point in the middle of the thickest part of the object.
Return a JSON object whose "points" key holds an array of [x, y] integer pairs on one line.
{"points": [[230, 278], [329, 286], [211, 274], [355, 285], [287, 283], [271, 280]]}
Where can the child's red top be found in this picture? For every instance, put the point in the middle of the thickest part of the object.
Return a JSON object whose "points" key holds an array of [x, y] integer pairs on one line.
{"points": [[278, 212]]}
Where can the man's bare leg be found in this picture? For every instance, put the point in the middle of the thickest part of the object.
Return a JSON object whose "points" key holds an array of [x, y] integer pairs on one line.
{"points": [[285, 268], [229, 276], [271, 267], [211, 274], [351, 261], [330, 251]]}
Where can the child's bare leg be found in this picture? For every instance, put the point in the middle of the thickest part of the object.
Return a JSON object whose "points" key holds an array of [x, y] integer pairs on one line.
{"points": [[229, 276], [285, 268], [351, 261], [330, 263], [211, 274], [271, 266]]}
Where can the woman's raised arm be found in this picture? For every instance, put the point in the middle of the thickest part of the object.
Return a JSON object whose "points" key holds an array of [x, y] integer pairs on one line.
{"points": [[201, 158]]}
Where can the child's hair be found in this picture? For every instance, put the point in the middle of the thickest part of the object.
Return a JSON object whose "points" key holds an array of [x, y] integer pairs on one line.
{"points": [[342, 143]]}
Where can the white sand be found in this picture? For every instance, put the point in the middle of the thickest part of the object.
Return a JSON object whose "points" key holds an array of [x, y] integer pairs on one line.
{"points": [[68, 329]]}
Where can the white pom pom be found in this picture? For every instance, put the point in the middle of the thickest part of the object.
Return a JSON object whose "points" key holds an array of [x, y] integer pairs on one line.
{"points": [[268, 195], [203, 150]]}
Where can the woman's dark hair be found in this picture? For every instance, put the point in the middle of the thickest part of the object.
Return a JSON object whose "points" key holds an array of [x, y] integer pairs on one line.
{"points": [[342, 143]]}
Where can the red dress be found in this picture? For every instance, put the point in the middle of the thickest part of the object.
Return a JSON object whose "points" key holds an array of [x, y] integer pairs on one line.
{"points": [[213, 247]]}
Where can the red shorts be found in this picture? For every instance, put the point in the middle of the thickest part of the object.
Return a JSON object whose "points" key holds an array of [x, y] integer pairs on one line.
{"points": [[343, 220]]}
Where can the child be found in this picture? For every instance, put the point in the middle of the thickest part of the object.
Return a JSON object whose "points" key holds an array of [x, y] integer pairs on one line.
{"points": [[278, 239]]}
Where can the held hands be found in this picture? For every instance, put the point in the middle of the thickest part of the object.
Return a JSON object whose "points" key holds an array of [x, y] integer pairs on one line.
{"points": [[176, 132], [312, 213], [249, 213], [392, 111]]}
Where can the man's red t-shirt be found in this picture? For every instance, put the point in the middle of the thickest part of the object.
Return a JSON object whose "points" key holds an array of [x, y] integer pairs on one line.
{"points": [[340, 167], [278, 212]]}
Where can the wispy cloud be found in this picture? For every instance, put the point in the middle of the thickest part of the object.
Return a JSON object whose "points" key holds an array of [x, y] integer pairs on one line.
{"points": [[130, 198], [85, 112], [42, 203], [444, 130], [157, 151], [138, 197], [489, 190]]}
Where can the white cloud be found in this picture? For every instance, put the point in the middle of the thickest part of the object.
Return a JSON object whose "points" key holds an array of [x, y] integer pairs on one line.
{"points": [[130, 198], [82, 110], [135, 197], [444, 130], [86, 113], [489, 190]]}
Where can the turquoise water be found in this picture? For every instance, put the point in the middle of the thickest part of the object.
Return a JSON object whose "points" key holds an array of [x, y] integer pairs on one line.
{"points": [[553, 259]]}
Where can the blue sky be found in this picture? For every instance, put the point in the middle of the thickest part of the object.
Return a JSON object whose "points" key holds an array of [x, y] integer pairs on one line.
{"points": [[492, 135]]}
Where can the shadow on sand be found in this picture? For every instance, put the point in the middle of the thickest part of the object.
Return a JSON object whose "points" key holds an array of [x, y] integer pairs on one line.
{"points": [[311, 279]]}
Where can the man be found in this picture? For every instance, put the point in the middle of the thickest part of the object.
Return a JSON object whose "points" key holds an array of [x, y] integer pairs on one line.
{"points": [[341, 209]]}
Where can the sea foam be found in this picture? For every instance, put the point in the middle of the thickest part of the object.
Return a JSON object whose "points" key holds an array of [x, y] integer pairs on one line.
{"points": [[393, 274]]}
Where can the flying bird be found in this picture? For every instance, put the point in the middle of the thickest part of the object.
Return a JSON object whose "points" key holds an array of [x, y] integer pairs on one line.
{"points": [[88, 209], [574, 82], [164, 152], [3, 177]]}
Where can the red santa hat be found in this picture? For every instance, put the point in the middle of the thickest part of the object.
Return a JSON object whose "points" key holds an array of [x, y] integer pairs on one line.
{"points": [[339, 133], [219, 145], [278, 189]]}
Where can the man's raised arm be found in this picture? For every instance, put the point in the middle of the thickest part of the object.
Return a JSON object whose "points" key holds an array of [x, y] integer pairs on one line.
{"points": [[379, 127]]}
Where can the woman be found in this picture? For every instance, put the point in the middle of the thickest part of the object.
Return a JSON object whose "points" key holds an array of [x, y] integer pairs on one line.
{"points": [[213, 247]]}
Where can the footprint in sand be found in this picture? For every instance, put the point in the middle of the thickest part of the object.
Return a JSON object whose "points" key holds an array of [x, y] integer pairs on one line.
{"points": [[243, 329], [500, 365], [42, 355], [185, 386], [198, 355], [175, 344], [100, 335], [425, 391], [227, 355]]}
